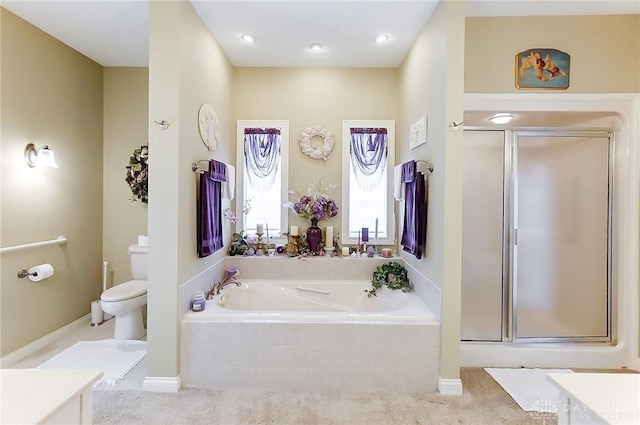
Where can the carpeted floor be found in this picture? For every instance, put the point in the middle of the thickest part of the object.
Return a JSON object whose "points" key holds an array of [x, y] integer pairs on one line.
{"points": [[484, 403]]}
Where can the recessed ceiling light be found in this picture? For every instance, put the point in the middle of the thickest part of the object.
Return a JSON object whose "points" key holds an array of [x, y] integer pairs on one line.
{"points": [[316, 47], [247, 38], [501, 118], [382, 38]]}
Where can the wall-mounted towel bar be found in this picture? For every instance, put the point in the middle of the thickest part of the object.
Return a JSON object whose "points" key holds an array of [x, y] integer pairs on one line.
{"points": [[60, 240], [195, 166], [429, 166]]}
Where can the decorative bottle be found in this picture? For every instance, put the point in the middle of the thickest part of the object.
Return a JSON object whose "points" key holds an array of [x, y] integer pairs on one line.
{"points": [[314, 236]]}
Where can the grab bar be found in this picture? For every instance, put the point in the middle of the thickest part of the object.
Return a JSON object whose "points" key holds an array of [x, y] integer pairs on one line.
{"points": [[317, 291], [60, 240]]}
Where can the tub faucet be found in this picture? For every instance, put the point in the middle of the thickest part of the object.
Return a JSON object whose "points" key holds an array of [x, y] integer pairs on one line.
{"points": [[228, 279]]}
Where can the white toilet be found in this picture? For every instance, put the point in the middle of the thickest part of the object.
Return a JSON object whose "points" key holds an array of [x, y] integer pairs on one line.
{"points": [[125, 301]]}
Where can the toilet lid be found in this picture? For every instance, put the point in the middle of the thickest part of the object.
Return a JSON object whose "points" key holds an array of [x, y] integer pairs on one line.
{"points": [[125, 291]]}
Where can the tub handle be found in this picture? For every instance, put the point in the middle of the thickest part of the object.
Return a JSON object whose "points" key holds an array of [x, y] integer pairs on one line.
{"points": [[317, 291]]}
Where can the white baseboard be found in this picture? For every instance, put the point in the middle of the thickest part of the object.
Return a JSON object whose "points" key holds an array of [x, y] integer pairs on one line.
{"points": [[162, 384], [450, 386], [38, 344]]}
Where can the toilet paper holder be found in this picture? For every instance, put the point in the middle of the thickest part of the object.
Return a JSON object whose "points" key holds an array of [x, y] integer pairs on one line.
{"points": [[24, 273]]}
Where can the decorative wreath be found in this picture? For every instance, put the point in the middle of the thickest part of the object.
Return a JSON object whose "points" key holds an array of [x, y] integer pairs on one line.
{"points": [[138, 174], [393, 275], [209, 126], [320, 152]]}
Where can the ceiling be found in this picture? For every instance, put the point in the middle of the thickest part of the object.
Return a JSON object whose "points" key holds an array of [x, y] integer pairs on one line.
{"points": [[115, 32]]}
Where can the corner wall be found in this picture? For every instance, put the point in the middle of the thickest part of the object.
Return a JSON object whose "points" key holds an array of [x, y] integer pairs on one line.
{"points": [[51, 95], [126, 111], [431, 84], [186, 69]]}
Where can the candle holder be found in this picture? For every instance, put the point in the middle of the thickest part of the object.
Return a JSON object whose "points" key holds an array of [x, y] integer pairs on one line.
{"points": [[329, 250], [293, 245], [259, 246]]}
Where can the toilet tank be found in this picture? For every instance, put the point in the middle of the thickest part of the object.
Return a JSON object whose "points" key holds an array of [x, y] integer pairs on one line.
{"points": [[138, 257]]}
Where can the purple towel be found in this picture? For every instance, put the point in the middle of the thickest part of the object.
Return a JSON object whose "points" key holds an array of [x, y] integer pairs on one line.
{"points": [[217, 171], [408, 171], [209, 216], [414, 231]]}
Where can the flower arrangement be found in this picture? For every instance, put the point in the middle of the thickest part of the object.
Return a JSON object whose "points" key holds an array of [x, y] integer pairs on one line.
{"points": [[138, 174], [233, 217], [315, 204], [239, 241]]}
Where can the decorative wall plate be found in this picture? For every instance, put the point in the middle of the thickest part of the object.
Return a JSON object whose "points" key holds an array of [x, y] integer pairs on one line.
{"points": [[320, 152], [209, 126]]}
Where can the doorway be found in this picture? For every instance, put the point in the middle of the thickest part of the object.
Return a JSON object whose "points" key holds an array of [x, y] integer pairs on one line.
{"points": [[537, 209]]}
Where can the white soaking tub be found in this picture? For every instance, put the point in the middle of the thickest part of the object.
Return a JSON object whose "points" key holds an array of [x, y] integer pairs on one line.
{"points": [[325, 335]]}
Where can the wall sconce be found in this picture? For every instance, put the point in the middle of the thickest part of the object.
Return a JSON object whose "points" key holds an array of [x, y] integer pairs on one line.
{"points": [[41, 156]]}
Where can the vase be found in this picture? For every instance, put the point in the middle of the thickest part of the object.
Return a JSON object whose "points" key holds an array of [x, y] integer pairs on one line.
{"points": [[314, 236]]}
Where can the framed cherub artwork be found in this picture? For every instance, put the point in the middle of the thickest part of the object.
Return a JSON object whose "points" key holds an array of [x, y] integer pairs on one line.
{"points": [[542, 68]]}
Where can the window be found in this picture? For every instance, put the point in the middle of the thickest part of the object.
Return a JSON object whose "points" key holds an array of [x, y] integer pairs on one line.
{"points": [[367, 196], [262, 159]]}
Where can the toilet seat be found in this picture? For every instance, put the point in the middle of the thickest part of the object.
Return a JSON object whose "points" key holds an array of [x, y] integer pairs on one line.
{"points": [[125, 291]]}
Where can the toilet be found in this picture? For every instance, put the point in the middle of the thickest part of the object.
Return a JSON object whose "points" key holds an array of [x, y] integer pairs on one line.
{"points": [[125, 301]]}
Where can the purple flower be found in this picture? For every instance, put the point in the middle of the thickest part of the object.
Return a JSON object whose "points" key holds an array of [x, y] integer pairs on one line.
{"points": [[315, 205]]}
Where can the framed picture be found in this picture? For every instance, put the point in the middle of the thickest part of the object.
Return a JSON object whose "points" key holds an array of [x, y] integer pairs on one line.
{"points": [[418, 133], [540, 68]]}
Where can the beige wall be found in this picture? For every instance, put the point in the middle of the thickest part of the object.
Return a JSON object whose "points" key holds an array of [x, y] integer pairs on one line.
{"points": [[125, 121], [186, 69], [604, 51], [307, 97], [50, 95], [431, 83]]}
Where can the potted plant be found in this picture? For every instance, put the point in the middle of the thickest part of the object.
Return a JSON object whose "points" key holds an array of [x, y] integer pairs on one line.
{"points": [[393, 275]]}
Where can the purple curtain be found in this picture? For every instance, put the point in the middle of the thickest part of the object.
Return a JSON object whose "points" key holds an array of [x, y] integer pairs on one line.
{"points": [[261, 156], [209, 209], [414, 230], [368, 153]]}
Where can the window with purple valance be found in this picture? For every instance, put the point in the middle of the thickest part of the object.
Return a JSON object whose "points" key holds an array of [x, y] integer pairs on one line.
{"points": [[368, 151], [262, 156]]}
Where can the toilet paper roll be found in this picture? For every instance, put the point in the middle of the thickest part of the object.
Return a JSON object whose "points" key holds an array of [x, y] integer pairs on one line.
{"points": [[97, 316], [143, 240], [39, 272]]}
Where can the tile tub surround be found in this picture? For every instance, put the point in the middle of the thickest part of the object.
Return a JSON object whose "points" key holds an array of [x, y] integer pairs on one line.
{"points": [[290, 352], [311, 356], [314, 268]]}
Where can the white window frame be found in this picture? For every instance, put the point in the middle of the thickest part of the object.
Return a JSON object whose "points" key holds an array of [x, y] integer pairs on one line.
{"points": [[283, 125], [390, 125]]}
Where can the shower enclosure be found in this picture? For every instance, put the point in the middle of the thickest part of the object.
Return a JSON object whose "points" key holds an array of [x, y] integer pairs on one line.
{"points": [[537, 235]]}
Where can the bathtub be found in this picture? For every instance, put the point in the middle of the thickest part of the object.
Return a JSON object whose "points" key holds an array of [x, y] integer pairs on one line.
{"points": [[325, 335]]}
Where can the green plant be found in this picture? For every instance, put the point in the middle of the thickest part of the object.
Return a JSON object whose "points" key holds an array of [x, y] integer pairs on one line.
{"points": [[239, 243], [392, 275]]}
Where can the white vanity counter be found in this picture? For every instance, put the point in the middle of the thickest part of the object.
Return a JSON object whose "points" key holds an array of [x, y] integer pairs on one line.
{"points": [[598, 398], [32, 396]]}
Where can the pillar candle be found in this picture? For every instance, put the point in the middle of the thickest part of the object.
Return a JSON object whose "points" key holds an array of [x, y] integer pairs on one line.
{"points": [[345, 251], [329, 236], [365, 234], [260, 228], [376, 234], [294, 230]]}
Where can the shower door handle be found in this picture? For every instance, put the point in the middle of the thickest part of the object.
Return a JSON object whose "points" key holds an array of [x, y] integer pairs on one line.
{"points": [[515, 236]]}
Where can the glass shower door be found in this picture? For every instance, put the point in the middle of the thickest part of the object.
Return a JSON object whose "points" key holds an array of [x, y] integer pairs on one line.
{"points": [[561, 270]]}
